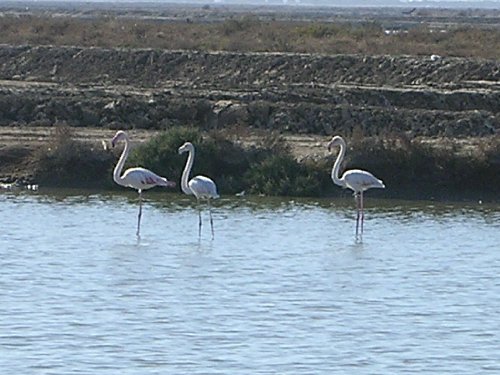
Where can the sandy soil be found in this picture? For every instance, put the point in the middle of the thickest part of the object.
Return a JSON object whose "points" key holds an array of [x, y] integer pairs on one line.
{"points": [[31, 138]]}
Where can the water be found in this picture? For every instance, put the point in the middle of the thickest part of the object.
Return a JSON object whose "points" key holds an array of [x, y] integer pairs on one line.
{"points": [[283, 289]]}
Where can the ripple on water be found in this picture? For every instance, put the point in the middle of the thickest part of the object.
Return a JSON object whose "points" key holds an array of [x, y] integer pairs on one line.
{"points": [[283, 287]]}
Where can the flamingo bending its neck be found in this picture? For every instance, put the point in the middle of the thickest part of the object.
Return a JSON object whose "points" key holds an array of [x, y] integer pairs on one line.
{"points": [[355, 179], [201, 187], [137, 178]]}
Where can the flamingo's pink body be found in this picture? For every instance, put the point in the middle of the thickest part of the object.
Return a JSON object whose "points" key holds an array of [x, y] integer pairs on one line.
{"points": [[142, 179], [137, 178], [355, 179]]}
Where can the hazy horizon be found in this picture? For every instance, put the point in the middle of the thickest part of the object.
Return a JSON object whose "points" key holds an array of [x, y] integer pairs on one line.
{"points": [[319, 3]]}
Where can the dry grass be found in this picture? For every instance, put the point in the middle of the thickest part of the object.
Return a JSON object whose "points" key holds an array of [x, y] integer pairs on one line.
{"points": [[249, 34]]}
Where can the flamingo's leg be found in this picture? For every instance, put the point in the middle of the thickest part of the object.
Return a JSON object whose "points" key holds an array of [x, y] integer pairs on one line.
{"points": [[211, 221], [362, 211], [199, 218], [140, 214], [356, 197]]}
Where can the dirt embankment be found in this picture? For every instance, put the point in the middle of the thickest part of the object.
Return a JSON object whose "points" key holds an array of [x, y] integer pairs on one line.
{"points": [[305, 94]]}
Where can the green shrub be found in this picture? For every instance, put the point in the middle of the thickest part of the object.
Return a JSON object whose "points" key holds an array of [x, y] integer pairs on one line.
{"points": [[216, 157], [267, 168], [407, 167], [160, 155], [65, 162], [281, 174], [418, 169]]}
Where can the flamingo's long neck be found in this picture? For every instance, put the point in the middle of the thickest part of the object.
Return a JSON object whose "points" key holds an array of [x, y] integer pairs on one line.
{"points": [[185, 174], [336, 166], [121, 162]]}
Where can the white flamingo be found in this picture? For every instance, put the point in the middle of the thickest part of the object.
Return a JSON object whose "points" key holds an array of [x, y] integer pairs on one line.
{"points": [[354, 179], [201, 187], [137, 178]]}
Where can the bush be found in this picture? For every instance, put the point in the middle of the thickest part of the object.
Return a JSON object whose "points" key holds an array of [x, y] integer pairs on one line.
{"points": [[216, 157], [267, 168], [419, 169], [65, 162], [159, 154], [408, 168], [281, 174]]}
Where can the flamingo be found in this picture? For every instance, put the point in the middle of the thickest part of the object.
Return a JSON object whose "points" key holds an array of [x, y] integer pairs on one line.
{"points": [[355, 179], [137, 178], [201, 187]]}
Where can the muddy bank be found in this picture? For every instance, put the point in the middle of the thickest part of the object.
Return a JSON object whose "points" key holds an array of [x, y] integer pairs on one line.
{"points": [[258, 163], [306, 94]]}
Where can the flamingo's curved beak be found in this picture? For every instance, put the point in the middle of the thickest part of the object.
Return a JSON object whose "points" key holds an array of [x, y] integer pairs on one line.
{"points": [[329, 146]]}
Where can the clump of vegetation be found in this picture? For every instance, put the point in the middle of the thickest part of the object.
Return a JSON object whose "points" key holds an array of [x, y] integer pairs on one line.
{"points": [[409, 167], [249, 33], [215, 157], [418, 168], [67, 162], [282, 175], [267, 168]]}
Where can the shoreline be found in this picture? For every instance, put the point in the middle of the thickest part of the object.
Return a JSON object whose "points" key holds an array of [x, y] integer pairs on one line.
{"points": [[22, 147]]}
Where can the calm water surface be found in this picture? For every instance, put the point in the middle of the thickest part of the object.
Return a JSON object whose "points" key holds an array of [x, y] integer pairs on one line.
{"points": [[283, 289]]}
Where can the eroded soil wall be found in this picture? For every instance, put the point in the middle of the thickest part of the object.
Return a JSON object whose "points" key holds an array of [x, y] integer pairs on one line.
{"points": [[309, 94]]}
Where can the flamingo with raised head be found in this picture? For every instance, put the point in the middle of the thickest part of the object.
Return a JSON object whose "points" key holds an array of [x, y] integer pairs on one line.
{"points": [[201, 187], [137, 178], [354, 179]]}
